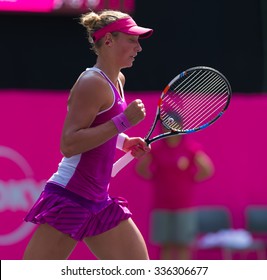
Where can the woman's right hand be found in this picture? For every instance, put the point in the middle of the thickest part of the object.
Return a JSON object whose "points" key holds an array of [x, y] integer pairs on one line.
{"points": [[135, 112]]}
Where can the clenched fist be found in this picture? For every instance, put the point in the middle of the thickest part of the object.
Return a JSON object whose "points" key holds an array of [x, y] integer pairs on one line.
{"points": [[135, 112]]}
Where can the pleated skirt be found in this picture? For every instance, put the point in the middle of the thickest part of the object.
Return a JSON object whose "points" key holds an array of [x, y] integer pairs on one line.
{"points": [[75, 215]]}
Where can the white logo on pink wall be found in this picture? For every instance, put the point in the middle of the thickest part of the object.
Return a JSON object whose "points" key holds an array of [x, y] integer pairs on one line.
{"points": [[18, 192]]}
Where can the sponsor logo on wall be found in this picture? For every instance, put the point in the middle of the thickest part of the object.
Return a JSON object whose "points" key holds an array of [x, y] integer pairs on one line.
{"points": [[18, 192]]}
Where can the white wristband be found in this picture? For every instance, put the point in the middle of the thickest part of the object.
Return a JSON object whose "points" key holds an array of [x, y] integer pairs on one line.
{"points": [[120, 140]]}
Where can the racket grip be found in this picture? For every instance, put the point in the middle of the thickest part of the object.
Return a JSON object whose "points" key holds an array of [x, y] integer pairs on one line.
{"points": [[121, 162]]}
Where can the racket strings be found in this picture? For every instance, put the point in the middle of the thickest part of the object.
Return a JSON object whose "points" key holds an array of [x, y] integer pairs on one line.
{"points": [[196, 98], [195, 117], [207, 101], [183, 89], [185, 81], [198, 90]]}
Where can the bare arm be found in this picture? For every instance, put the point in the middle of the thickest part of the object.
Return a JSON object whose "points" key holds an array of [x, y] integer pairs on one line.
{"points": [[204, 165], [90, 95], [142, 167]]}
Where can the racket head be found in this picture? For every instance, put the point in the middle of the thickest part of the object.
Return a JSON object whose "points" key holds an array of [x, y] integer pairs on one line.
{"points": [[193, 100]]}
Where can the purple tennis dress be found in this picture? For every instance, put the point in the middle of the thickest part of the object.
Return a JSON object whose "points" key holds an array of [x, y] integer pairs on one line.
{"points": [[75, 199]]}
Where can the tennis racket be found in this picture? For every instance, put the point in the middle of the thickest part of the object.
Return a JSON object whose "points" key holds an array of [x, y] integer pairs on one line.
{"points": [[192, 101]]}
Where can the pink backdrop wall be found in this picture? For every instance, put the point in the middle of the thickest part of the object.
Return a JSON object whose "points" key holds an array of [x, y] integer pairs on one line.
{"points": [[31, 123]]}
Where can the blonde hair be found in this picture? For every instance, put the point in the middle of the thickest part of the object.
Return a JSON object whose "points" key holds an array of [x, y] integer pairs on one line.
{"points": [[94, 21]]}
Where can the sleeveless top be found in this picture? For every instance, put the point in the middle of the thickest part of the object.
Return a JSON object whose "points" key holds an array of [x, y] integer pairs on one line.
{"points": [[88, 174]]}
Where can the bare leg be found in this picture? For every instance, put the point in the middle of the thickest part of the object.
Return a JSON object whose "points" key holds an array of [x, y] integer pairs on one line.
{"points": [[175, 252], [166, 252], [124, 242], [48, 243], [182, 252]]}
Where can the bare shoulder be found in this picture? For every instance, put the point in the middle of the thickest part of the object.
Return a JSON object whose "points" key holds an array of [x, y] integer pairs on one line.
{"points": [[88, 81], [90, 87]]}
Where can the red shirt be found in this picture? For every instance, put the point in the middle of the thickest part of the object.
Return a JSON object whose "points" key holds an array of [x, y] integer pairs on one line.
{"points": [[173, 173]]}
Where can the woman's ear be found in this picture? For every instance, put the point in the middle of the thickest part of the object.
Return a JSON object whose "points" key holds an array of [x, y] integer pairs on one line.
{"points": [[108, 39]]}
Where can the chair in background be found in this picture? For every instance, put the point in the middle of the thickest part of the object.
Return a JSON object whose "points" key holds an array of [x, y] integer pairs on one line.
{"points": [[218, 219], [256, 224], [212, 219], [256, 219]]}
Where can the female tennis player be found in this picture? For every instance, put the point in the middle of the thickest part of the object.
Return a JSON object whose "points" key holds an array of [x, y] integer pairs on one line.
{"points": [[75, 204]]}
